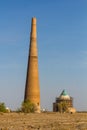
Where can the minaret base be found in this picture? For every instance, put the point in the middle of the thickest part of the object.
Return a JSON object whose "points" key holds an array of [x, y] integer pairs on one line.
{"points": [[37, 110]]}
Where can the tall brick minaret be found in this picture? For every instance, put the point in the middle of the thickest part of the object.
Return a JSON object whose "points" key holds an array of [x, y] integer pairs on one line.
{"points": [[32, 90]]}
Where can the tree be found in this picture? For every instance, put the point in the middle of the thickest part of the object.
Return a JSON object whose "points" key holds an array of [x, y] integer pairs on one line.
{"points": [[27, 107], [62, 107], [2, 107]]}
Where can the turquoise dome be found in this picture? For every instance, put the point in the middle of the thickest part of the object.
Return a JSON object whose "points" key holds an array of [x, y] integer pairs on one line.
{"points": [[64, 95]]}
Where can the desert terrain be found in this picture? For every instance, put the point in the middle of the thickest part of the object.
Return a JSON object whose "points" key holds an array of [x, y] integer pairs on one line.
{"points": [[43, 121]]}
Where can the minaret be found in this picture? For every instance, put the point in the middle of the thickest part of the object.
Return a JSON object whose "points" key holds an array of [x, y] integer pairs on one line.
{"points": [[32, 90]]}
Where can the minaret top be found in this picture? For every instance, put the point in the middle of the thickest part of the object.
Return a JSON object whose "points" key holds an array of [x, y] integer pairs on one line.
{"points": [[33, 28], [33, 40], [33, 20]]}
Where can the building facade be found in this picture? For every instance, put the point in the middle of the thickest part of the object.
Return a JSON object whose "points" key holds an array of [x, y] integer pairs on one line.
{"points": [[64, 97]]}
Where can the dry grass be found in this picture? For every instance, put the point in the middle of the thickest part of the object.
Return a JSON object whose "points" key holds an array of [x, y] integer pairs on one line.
{"points": [[43, 121]]}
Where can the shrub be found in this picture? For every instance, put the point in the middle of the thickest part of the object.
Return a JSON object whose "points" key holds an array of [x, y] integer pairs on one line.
{"points": [[27, 107], [2, 107], [62, 107]]}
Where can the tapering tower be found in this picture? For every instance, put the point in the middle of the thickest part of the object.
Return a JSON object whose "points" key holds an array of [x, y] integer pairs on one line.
{"points": [[32, 90]]}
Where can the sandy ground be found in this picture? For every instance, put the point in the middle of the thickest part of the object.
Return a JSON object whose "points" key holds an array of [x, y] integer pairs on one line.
{"points": [[43, 121]]}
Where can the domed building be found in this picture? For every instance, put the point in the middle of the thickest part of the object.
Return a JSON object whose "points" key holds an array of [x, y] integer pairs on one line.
{"points": [[64, 97]]}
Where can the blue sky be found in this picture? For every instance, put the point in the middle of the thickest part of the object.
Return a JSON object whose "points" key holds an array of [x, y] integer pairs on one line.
{"points": [[62, 49]]}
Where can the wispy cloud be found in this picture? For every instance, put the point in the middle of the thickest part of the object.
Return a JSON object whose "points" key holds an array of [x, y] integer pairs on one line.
{"points": [[84, 52], [83, 55], [10, 66]]}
